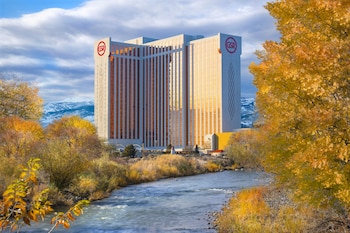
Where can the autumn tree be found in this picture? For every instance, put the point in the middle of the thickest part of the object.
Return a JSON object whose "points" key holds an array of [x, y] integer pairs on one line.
{"points": [[19, 140], [243, 148], [78, 133], [19, 137], [72, 143], [19, 99], [303, 96]]}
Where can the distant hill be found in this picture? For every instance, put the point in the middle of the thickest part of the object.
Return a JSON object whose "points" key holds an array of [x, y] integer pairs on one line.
{"points": [[85, 109]]}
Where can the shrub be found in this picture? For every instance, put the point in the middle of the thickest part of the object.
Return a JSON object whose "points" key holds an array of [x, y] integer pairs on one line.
{"points": [[129, 151], [243, 149], [212, 166], [270, 210], [244, 213], [62, 163]]}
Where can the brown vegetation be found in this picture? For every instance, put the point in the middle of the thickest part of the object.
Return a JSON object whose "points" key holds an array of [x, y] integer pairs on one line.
{"points": [[271, 209]]}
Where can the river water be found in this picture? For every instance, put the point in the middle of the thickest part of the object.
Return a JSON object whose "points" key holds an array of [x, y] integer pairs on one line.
{"points": [[176, 205]]}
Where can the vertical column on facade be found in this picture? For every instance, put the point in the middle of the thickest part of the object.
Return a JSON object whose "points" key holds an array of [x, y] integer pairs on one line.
{"points": [[191, 120], [155, 97], [185, 95], [123, 96], [115, 98], [171, 99], [178, 129], [161, 97], [145, 95], [140, 98], [207, 94], [127, 94], [212, 78], [118, 93], [110, 100], [133, 92], [201, 91], [155, 100], [167, 84], [153, 86], [149, 95], [158, 96], [164, 96], [218, 87], [176, 98]]}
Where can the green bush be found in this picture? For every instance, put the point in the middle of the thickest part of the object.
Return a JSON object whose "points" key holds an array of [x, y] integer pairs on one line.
{"points": [[129, 151]]}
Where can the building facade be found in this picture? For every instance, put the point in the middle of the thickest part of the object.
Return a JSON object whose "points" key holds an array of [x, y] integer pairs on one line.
{"points": [[174, 91]]}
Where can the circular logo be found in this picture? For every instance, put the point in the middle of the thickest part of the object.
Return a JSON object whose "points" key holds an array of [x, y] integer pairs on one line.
{"points": [[231, 44], [101, 48]]}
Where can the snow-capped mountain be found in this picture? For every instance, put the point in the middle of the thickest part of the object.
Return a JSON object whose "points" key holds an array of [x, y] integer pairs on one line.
{"points": [[68, 107], [248, 112], [85, 108]]}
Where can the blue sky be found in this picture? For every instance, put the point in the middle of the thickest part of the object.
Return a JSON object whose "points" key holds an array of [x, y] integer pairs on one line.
{"points": [[16, 8], [50, 42]]}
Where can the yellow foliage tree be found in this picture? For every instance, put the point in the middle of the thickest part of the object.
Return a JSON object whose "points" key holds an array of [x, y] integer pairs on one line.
{"points": [[19, 137], [303, 97], [243, 148], [78, 133], [19, 99]]}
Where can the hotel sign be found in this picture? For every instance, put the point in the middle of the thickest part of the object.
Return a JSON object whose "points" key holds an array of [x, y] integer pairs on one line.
{"points": [[101, 48], [231, 44]]}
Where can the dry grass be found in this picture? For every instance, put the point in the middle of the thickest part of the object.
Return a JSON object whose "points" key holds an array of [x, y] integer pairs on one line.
{"points": [[270, 209], [162, 166]]}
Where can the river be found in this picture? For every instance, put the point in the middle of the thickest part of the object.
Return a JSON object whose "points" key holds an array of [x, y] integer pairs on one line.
{"points": [[176, 205]]}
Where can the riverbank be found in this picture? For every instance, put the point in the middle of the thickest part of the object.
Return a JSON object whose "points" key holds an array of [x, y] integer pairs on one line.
{"points": [[107, 174], [271, 209]]}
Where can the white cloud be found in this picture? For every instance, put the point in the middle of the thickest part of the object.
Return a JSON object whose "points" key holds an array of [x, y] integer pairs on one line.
{"points": [[54, 47]]}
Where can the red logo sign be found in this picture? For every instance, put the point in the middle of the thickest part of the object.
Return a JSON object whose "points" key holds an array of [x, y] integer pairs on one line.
{"points": [[231, 45], [101, 48]]}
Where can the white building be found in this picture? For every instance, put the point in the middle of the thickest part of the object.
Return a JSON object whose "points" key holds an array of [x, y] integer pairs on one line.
{"points": [[169, 91]]}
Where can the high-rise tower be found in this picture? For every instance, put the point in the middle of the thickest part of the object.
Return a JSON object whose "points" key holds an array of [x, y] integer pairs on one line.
{"points": [[169, 91]]}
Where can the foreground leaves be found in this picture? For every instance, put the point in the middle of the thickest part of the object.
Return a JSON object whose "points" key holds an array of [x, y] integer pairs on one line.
{"points": [[66, 218], [21, 204], [303, 97]]}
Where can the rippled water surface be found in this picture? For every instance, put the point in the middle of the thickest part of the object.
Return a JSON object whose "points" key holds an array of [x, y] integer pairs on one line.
{"points": [[170, 205]]}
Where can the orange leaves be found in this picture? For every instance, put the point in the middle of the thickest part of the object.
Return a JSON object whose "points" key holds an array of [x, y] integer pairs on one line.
{"points": [[66, 218], [18, 203], [303, 97], [19, 137], [21, 203]]}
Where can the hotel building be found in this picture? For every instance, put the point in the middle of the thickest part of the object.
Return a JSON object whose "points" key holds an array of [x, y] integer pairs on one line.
{"points": [[177, 90]]}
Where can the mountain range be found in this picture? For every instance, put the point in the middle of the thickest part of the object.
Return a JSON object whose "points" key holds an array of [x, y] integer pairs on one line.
{"points": [[84, 108]]}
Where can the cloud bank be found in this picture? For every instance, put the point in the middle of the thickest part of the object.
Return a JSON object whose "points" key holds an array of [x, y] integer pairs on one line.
{"points": [[53, 48]]}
